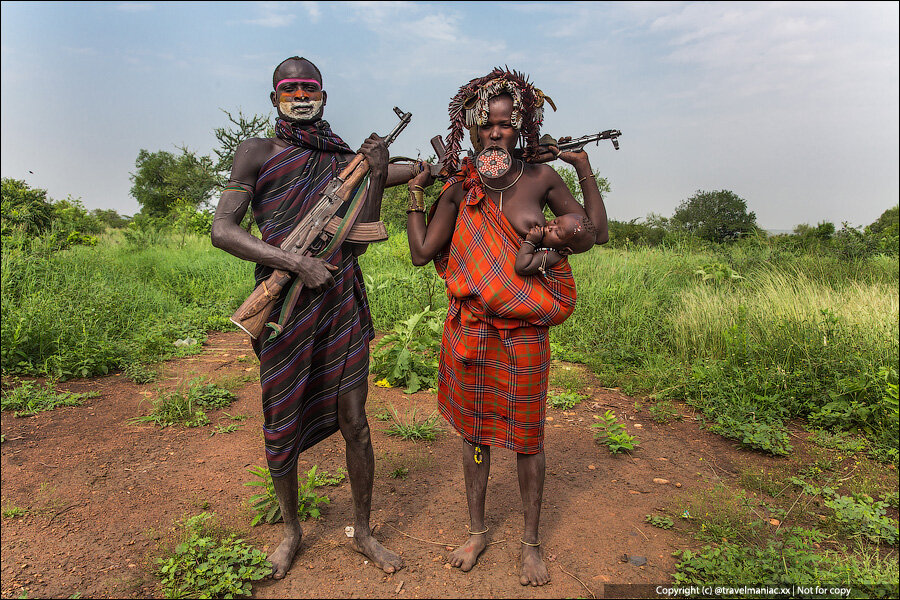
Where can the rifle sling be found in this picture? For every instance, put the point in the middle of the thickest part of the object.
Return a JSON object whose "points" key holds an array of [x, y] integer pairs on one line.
{"points": [[360, 233], [343, 227]]}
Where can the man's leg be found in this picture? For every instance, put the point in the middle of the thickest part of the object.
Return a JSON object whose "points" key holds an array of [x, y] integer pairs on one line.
{"points": [[286, 491], [361, 467], [476, 475], [531, 468]]}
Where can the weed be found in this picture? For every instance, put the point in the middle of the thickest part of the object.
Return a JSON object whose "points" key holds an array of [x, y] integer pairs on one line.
{"points": [[663, 411], [400, 473], [612, 433], [14, 512], [564, 400], [661, 522], [408, 354], [413, 430], [723, 515], [140, 373], [567, 377], [30, 398], [186, 407], [384, 415], [862, 516], [230, 428], [266, 502], [210, 562], [326, 478]]}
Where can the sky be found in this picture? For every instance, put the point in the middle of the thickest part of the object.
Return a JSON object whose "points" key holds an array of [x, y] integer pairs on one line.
{"points": [[792, 106]]}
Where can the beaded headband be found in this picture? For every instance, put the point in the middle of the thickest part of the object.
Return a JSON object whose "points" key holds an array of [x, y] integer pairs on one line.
{"points": [[470, 107]]}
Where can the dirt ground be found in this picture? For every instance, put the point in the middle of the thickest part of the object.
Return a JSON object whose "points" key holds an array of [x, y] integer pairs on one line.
{"points": [[101, 492]]}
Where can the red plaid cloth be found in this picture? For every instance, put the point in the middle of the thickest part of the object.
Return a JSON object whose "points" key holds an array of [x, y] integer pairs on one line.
{"points": [[495, 352]]}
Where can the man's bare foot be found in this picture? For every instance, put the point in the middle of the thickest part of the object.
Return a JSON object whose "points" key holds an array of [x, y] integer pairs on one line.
{"points": [[383, 558], [283, 556], [534, 571], [465, 557]]}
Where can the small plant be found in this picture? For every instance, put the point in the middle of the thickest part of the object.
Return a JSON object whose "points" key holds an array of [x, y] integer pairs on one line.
{"points": [[229, 428], [326, 478], [186, 407], [567, 377], [664, 412], [384, 415], [400, 473], [717, 272], [613, 434], [661, 522], [413, 430], [861, 516], [14, 512], [30, 398], [564, 400], [408, 354], [209, 395], [140, 373], [210, 562], [266, 502]]}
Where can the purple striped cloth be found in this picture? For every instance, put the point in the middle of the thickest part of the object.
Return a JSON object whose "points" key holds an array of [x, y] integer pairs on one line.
{"points": [[323, 350]]}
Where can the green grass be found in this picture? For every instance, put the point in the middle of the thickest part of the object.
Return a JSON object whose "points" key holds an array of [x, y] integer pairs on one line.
{"points": [[185, 405], [411, 429], [90, 310], [30, 397]]}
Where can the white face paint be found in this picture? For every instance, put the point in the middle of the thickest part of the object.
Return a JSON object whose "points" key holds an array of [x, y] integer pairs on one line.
{"points": [[300, 111]]}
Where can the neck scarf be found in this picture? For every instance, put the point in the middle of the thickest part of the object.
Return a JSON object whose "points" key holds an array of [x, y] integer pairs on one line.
{"points": [[315, 136]]}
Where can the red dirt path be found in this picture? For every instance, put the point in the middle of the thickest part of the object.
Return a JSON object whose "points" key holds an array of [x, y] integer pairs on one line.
{"points": [[101, 492]]}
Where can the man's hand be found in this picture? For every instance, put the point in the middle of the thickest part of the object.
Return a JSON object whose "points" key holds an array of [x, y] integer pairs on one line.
{"points": [[314, 273], [376, 153], [535, 234]]}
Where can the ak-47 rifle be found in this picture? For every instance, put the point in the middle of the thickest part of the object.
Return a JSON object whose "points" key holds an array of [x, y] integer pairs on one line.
{"points": [[569, 146], [317, 233]]}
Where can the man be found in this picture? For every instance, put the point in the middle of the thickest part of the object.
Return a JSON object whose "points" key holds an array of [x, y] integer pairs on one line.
{"points": [[314, 373], [495, 352]]}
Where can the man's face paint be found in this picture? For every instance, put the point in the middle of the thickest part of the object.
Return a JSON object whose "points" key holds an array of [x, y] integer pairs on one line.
{"points": [[300, 99]]}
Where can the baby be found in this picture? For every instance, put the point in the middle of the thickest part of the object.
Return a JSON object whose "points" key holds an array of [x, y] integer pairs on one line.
{"points": [[567, 234]]}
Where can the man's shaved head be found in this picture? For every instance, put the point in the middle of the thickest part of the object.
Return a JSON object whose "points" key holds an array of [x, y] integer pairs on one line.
{"points": [[299, 62]]}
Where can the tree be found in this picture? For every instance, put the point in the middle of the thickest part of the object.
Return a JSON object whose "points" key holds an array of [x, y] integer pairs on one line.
{"points": [[243, 128], [110, 218], [24, 209], [162, 177], [718, 216]]}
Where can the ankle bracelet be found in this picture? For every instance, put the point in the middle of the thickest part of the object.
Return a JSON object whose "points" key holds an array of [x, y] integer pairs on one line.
{"points": [[479, 532], [530, 544]]}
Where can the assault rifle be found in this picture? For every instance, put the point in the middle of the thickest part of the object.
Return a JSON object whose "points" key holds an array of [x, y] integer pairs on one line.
{"points": [[570, 146], [317, 233]]}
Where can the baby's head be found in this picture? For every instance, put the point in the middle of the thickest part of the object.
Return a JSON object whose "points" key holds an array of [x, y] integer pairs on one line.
{"points": [[570, 234]]}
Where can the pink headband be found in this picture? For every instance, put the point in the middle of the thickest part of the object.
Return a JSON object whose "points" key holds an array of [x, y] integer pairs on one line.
{"points": [[298, 81]]}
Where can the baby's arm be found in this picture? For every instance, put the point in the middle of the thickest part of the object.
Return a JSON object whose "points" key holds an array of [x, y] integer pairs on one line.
{"points": [[531, 262]]}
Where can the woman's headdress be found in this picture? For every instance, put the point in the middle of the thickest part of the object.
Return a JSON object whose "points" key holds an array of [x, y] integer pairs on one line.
{"points": [[469, 109]]}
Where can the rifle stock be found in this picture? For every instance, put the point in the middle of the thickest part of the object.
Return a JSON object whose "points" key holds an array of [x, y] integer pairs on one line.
{"points": [[309, 237]]}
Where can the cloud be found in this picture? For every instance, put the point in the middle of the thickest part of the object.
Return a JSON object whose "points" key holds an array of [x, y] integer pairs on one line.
{"points": [[275, 14]]}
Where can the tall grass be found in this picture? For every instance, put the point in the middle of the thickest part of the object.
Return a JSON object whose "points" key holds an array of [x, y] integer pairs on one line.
{"points": [[87, 310]]}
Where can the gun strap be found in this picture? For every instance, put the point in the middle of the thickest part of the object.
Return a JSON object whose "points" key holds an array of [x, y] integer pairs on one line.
{"points": [[360, 233], [341, 234]]}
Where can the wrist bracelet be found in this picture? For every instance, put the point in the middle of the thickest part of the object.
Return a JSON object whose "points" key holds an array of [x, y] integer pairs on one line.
{"points": [[418, 210], [416, 200], [533, 245]]}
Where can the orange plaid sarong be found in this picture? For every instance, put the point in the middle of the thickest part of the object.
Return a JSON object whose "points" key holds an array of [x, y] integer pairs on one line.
{"points": [[495, 351]]}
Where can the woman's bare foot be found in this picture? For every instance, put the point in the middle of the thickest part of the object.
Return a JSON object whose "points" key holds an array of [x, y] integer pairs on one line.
{"points": [[383, 558], [284, 554], [534, 571], [465, 557]]}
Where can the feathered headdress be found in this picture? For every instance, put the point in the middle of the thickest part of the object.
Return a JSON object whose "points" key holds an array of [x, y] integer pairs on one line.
{"points": [[469, 109]]}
